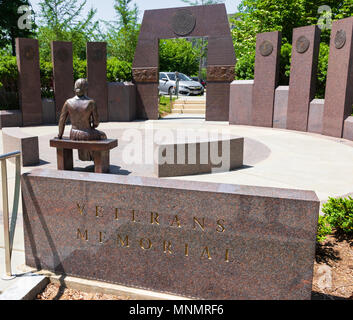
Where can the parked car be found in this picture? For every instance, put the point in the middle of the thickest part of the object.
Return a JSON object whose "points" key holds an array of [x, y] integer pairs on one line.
{"points": [[203, 82], [187, 86]]}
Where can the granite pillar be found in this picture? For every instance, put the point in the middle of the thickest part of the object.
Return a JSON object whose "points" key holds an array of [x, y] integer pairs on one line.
{"points": [[280, 108], [27, 53], [97, 76], [63, 74], [316, 116], [240, 102], [268, 48], [220, 74], [303, 74], [339, 93]]}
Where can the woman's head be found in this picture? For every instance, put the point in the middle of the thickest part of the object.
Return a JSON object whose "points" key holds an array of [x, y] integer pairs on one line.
{"points": [[81, 87]]}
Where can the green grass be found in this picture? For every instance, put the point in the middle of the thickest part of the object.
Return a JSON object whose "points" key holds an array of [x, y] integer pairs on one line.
{"points": [[164, 106]]}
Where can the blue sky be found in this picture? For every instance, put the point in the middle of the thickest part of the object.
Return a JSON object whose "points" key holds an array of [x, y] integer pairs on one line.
{"points": [[105, 7]]}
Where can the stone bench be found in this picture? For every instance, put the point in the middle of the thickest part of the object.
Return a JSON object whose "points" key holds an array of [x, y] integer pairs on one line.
{"points": [[14, 139], [182, 158], [101, 152]]}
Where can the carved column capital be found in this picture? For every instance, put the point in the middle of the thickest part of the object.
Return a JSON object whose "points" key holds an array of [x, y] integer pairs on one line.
{"points": [[145, 74], [220, 73]]}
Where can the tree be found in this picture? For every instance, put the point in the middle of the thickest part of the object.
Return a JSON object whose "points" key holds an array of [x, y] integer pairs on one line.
{"points": [[257, 16], [178, 55], [122, 35], [62, 20], [10, 14]]}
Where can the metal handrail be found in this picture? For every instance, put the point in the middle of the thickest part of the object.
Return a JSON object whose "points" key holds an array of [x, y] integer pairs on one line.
{"points": [[9, 231]]}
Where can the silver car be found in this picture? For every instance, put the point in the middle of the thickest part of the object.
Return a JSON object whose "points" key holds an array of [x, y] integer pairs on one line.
{"points": [[187, 86]]}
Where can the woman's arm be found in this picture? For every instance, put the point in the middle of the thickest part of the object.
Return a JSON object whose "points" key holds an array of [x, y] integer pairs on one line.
{"points": [[63, 116], [95, 116]]}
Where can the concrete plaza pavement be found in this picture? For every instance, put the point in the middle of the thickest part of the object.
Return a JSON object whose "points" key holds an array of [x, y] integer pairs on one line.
{"points": [[272, 158]]}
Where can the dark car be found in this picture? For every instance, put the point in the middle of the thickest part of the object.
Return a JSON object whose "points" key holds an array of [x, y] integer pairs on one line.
{"points": [[203, 82]]}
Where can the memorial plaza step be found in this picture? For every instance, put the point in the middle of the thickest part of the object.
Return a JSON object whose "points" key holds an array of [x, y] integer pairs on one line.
{"points": [[191, 111], [190, 105]]}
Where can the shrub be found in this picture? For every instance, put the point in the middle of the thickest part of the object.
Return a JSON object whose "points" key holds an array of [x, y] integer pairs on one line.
{"points": [[118, 70], [339, 213], [8, 83], [8, 73], [46, 79], [323, 229], [80, 67]]}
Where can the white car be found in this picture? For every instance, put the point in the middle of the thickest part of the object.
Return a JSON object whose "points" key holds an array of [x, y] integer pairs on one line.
{"points": [[187, 86]]}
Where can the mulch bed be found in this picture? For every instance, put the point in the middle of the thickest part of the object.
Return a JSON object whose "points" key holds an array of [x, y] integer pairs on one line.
{"points": [[54, 291], [333, 275], [333, 269]]}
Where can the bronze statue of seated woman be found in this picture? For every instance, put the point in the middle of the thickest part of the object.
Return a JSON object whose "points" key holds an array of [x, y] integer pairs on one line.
{"points": [[84, 119]]}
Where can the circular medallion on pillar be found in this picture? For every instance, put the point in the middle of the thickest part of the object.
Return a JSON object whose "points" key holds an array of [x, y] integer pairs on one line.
{"points": [[266, 48], [183, 22], [29, 52], [340, 39], [303, 44]]}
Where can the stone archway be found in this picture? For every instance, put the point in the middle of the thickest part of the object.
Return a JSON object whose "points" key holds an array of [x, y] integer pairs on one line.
{"points": [[200, 21]]}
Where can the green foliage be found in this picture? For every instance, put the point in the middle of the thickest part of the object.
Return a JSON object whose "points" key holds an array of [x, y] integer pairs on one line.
{"points": [[63, 20], [245, 66], [8, 82], [9, 29], [8, 73], [80, 67], [339, 213], [122, 35], [322, 70], [164, 105], [178, 55], [118, 70], [285, 61], [46, 79], [323, 230]]}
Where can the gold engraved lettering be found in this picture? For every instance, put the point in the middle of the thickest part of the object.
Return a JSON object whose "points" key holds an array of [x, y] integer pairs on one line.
{"points": [[167, 247], [220, 227], [227, 256], [186, 249], [99, 212], [197, 221], [101, 236], [149, 246], [207, 251], [81, 209], [177, 221], [117, 213], [154, 218], [81, 236], [125, 242], [133, 216]]}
